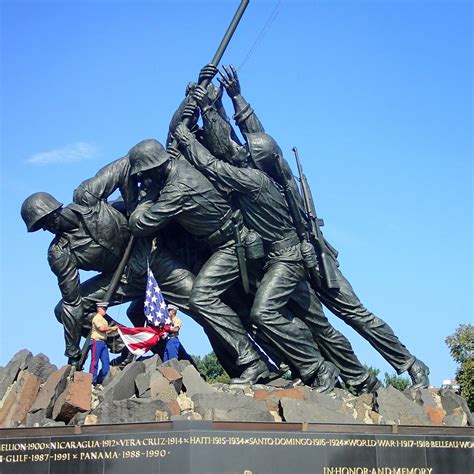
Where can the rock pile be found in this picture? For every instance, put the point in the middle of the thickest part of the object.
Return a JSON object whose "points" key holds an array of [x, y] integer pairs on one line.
{"points": [[34, 392]]}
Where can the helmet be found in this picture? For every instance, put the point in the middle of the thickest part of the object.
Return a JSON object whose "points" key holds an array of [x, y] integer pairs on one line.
{"points": [[263, 149], [37, 206], [146, 155]]}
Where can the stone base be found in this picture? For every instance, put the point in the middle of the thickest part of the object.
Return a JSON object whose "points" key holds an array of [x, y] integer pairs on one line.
{"points": [[237, 447]]}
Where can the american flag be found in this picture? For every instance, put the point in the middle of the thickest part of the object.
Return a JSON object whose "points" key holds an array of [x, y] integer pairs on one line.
{"points": [[140, 340], [156, 310]]}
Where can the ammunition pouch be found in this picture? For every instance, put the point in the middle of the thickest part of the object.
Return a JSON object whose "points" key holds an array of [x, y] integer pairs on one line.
{"points": [[308, 252], [253, 244]]}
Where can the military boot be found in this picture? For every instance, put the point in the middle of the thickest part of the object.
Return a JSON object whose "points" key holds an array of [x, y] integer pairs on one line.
{"points": [[370, 385], [419, 372], [125, 358], [326, 378], [256, 372], [75, 362], [128, 360]]}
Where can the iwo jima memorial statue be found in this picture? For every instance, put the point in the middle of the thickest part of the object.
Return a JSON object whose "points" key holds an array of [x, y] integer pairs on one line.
{"points": [[232, 240], [214, 223]]}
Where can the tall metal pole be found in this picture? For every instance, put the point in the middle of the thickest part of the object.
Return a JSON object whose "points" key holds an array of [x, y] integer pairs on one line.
{"points": [[119, 271], [222, 47], [109, 294]]}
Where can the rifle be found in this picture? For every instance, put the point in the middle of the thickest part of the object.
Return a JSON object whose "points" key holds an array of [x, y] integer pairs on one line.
{"points": [[299, 224], [187, 121], [326, 262], [108, 295]]}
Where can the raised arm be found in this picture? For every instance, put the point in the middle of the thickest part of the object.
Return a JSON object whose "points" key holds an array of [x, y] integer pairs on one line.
{"points": [[244, 115], [218, 171], [150, 216]]}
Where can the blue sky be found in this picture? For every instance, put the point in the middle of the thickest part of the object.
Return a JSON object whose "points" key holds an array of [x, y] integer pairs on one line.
{"points": [[377, 95]]}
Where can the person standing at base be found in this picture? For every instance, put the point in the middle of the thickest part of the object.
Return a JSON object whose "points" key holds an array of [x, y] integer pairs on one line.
{"points": [[98, 344], [173, 348]]}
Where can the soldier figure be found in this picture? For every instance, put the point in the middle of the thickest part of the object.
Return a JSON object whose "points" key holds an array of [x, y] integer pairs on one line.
{"points": [[265, 211], [91, 234], [343, 302], [189, 199]]}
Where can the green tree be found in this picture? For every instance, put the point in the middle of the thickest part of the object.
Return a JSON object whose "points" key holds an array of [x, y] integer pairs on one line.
{"points": [[373, 370], [400, 383], [396, 381], [211, 368], [461, 347]]}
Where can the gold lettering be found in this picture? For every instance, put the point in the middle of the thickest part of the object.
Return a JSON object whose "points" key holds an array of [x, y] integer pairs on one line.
{"points": [[111, 455], [13, 447], [376, 470], [16, 458]]}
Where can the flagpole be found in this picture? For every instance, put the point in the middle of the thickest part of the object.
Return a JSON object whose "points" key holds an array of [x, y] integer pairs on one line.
{"points": [[109, 294]]}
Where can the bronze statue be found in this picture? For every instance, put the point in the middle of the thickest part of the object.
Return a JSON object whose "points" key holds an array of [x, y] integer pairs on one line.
{"points": [[340, 297], [260, 269], [91, 234], [189, 199]]}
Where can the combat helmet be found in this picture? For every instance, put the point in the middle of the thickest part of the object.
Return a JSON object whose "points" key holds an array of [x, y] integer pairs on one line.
{"points": [[37, 206], [146, 155], [263, 150]]}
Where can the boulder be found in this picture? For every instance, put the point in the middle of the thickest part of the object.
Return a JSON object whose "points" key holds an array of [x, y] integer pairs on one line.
{"points": [[238, 414], [151, 363], [75, 398], [9, 373], [189, 416], [365, 408], [230, 407], [455, 419], [172, 375], [161, 388], [142, 384], [131, 411], [113, 373], [36, 394], [193, 382], [50, 391], [394, 408], [173, 363], [273, 396], [19, 400], [40, 366], [454, 404], [321, 411], [123, 385], [185, 403], [38, 418], [79, 418]]}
